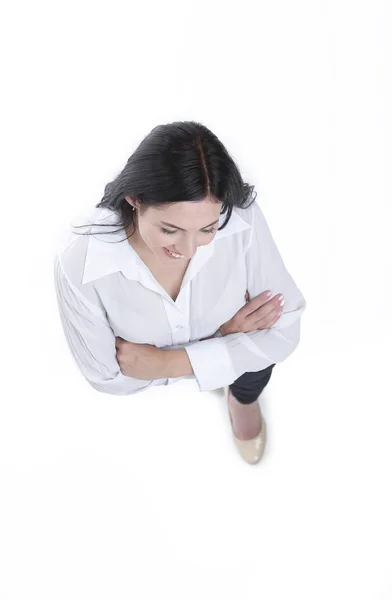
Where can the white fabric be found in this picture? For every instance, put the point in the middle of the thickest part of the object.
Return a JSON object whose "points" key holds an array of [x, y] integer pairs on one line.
{"points": [[104, 290]]}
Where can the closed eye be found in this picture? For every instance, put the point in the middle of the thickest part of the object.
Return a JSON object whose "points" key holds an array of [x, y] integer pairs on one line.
{"points": [[171, 232]]}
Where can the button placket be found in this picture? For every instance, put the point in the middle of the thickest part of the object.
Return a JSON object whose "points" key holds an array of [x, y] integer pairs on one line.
{"points": [[178, 317]]}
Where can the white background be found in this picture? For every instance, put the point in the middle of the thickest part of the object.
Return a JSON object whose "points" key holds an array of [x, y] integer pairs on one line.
{"points": [[143, 497]]}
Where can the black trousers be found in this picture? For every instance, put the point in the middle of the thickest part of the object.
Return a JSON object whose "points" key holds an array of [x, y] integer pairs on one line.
{"points": [[248, 387]]}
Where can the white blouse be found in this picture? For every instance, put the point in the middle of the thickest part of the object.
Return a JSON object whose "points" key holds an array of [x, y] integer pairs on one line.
{"points": [[105, 290]]}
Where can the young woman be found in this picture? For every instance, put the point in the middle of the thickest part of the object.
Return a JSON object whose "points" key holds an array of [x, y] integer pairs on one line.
{"points": [[170, 280]]}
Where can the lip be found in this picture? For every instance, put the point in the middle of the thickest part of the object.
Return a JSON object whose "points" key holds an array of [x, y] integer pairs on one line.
{"points": [[167, 249]]}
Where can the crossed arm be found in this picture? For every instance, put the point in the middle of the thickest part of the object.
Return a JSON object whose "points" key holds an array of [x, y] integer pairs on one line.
{"points": [[214, 362]]}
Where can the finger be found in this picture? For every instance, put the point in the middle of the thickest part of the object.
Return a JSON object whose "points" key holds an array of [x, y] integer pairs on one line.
{"points": [[254, 304], [118, 342], [268, 320], [263, 313], [269, 303]]}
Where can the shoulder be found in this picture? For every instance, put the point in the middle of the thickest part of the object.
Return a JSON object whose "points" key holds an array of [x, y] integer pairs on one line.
{"points": [[71, 254], [246, 214], [251, 212], [242, 220]]}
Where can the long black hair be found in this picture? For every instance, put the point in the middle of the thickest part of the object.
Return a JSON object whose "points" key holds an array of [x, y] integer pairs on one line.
{"points": [[176, 162]]}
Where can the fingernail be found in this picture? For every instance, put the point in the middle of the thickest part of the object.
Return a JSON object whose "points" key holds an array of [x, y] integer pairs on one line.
{"points": [[269, 294]]}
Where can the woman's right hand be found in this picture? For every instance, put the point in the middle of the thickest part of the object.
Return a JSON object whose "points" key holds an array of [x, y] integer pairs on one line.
{"points": [[259, 313]]}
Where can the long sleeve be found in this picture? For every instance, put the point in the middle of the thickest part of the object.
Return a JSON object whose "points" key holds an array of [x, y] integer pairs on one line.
{"points": [[220, 361], [91, 339]]}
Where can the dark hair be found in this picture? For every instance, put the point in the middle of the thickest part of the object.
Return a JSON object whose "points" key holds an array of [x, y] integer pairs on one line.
{"points": [[176, 162]]}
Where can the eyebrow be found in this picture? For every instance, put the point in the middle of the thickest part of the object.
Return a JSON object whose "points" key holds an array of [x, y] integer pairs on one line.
{"points": [[176, 226]]}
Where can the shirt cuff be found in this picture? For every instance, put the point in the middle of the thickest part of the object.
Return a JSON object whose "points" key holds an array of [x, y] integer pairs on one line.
{"points": [[211, 363]]}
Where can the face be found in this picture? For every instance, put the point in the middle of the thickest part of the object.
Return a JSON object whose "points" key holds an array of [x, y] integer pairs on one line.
{"points": [[178, 227]]}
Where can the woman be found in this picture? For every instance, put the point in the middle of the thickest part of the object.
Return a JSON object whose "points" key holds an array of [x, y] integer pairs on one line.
{"points": [[156, 289]]}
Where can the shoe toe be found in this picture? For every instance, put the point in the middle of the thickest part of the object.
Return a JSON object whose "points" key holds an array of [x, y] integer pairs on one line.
{"points": [[250, 450]]}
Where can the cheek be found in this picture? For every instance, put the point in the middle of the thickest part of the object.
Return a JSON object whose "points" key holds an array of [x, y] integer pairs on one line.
{"points": [[154, 238], [161, 240], [206, 239]]}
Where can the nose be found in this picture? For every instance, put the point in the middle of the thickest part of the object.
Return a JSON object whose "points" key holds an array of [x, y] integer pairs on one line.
{"points": [[189, 248]]}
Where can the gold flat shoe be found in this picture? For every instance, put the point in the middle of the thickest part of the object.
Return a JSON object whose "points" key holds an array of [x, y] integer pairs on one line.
{"points": [[251, 450]]}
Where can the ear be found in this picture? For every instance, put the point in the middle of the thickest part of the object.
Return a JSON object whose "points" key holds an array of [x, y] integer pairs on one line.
{"points": [[133, 201]]}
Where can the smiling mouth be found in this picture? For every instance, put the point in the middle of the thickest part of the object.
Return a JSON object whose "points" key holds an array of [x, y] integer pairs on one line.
{"points": [[174, 254]]}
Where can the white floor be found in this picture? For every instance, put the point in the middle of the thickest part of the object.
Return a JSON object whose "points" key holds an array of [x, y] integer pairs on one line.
{"points": [[146, 497]]}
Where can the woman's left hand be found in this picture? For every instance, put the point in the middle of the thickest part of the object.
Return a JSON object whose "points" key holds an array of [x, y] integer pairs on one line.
{"points": [[142, 361]]}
